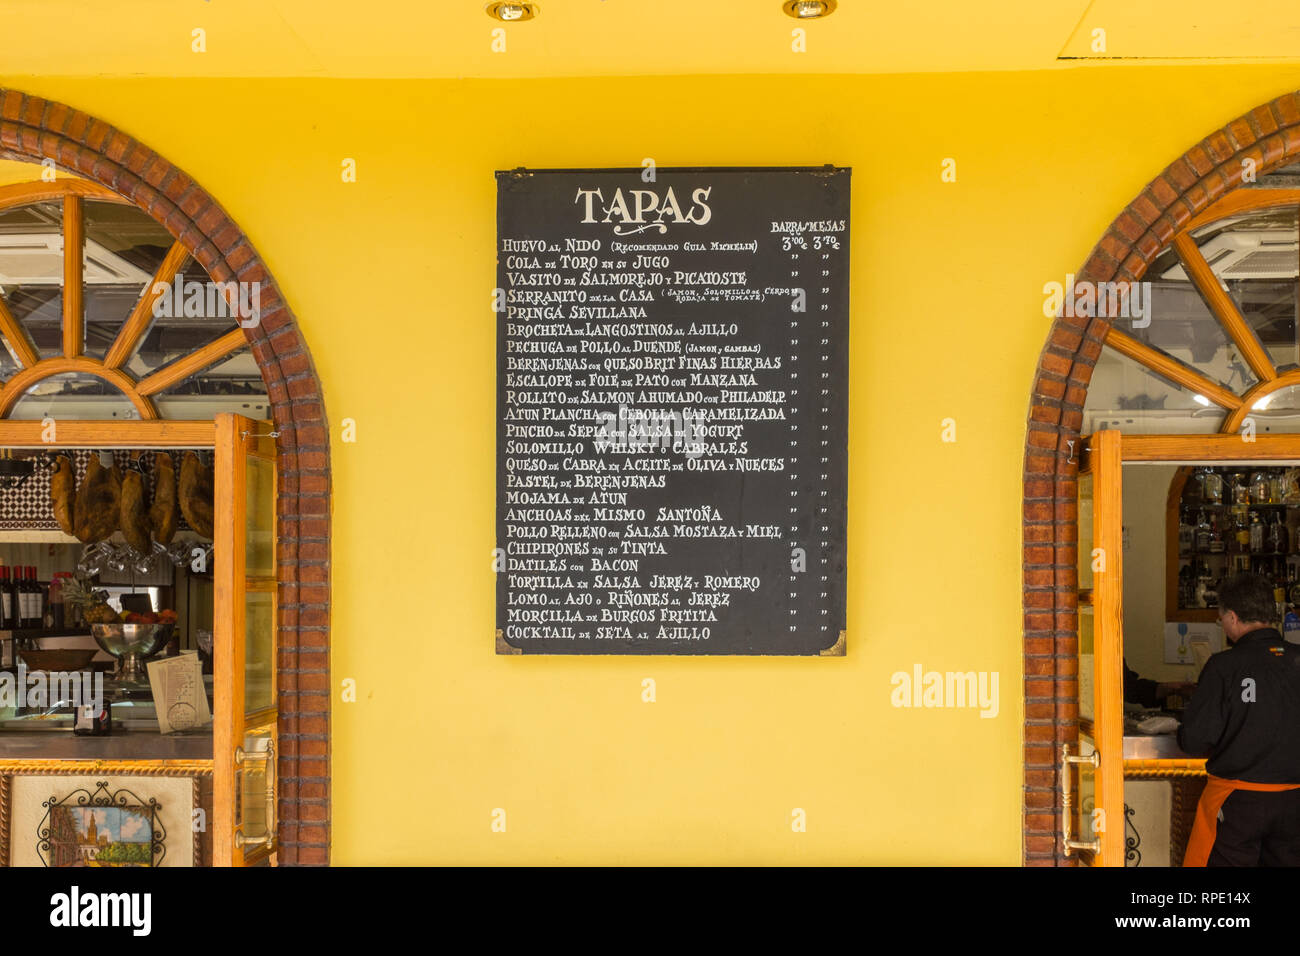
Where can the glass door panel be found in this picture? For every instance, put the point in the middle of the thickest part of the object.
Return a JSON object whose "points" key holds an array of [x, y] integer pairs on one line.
{"points": [[1085, 531], [259, 651], [259, 545], [245, 644]]}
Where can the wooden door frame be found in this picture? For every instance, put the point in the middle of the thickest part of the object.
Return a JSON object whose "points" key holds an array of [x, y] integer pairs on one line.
{"points": [[1102, 457], [108, 434], [1206, 449]]}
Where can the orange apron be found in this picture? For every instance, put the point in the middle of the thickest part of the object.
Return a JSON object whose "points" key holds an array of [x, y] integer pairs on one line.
{"points": [[1206, 825]]}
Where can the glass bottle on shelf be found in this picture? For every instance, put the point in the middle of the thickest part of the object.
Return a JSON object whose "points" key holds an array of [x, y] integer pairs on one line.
{"points": [[1239, 489], [56, 615], [24, 597], [17, 603], [1202, 532], [1293, 588], [1207, 590], [1290, 487], [1239, 537], [6, 600], [37, 598], [1212, 487], [1186, 534], [1276, 486], [1259, 488], [1217, 545], [1278, 539], [42, 600], [1256, 534]]}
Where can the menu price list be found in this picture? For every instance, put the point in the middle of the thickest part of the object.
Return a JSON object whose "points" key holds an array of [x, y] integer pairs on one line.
{"points": [[672, 420]]}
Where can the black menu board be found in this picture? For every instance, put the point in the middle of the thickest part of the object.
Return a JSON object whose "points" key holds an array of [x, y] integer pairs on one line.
{"points": [[672, 410]]}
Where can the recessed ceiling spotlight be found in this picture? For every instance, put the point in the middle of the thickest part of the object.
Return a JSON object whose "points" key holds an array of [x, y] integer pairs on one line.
{"points": [[512, 12], [808, 9]]}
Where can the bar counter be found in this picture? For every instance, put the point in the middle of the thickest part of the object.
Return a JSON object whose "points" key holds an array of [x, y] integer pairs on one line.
{"points": [[1157, 747]]}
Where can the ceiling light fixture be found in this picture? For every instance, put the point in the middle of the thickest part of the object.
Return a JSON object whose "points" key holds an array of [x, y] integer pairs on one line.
{"points": [[808, 9], [512, 12]]}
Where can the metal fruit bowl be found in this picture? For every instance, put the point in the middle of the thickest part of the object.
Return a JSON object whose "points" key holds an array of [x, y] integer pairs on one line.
{"points": [[132, 644]]}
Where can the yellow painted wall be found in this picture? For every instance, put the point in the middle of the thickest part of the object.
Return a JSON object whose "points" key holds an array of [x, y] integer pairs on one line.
{"points": [[390, 278]]}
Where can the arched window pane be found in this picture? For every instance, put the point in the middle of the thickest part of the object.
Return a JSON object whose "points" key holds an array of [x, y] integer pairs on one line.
{"points": [[1278, 412], [191, 314], [232, 385], [1177, 322], [1256, 255], [72, 396], [8, 362], [124, 248], [31, 271], [1287, 177], [1128, 396]]}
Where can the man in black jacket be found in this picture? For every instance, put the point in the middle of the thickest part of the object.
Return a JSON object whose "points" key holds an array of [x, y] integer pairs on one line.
{"points": [[1245, 717]]}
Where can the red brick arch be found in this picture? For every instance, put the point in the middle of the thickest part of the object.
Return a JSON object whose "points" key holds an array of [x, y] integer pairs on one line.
{"points": [[32, 128], [1269, 135]]}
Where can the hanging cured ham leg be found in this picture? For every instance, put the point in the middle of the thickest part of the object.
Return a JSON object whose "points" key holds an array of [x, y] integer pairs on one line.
{"points": [[162, 512], [63, 493], [196, 494], [99, 503], [134, 512]]}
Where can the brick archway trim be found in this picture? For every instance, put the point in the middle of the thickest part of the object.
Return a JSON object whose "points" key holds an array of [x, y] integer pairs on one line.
{"points": [[1268, 135], [32, 128]]}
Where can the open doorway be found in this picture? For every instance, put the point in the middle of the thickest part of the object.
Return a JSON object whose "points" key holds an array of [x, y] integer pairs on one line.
{"points": [[1163, 520], [1187, 528], [215, 564]]}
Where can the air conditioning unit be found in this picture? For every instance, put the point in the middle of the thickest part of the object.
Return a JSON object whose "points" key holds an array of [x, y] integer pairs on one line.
{"points": [[37, 259], [1249, 254]]}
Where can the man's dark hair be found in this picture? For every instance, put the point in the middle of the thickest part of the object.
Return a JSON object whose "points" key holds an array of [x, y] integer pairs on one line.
{"points": [[1250, 596]]}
